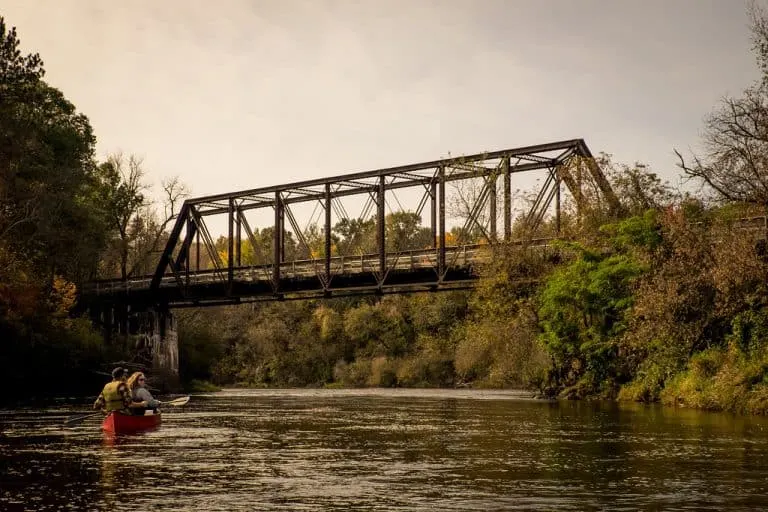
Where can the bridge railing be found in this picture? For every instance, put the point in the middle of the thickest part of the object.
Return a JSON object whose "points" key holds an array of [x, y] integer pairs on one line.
{"points": [[459, 256], [462, 256]]}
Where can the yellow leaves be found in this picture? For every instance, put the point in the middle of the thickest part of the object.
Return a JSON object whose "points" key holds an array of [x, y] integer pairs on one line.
{"points": [[61, 299], [223, 256], [63, 293], [247, 254], [330, 323]]}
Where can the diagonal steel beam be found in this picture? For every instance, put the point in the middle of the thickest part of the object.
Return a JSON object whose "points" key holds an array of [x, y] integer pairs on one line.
{"points": [[209, 244], [256, 250], [303, 240], [527, 152], [173, 239]]}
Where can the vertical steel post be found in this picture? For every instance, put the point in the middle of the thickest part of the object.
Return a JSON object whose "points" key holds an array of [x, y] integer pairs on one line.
{"points": [[327, 233], [282, 231], [230, 245], [441, 220], [197, 249], [190, 227], [507, 200], [238, 237], [277, 241], [380, 228], [557, 201], [492, 186], [579, 197], [433, 212]]}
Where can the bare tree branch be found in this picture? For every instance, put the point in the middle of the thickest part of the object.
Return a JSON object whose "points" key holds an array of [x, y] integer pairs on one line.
{"points": [[12, 217], [175, 192], [736, 147]]}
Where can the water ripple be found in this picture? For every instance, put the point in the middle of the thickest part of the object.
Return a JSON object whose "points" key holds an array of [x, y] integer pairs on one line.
{"points": [[388, 450]]}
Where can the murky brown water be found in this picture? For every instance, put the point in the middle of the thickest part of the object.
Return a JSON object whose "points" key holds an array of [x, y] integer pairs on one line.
{"points": [[388, 450]]}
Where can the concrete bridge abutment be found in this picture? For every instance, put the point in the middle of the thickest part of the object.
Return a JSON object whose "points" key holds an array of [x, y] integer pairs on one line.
{"points": [[150, 341]]}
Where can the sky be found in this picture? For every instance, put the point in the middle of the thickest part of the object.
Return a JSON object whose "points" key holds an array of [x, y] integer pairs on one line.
{"points": [[241, 94]]}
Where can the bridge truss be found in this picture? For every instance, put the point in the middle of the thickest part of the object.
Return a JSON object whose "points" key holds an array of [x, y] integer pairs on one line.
{"points": [[179, 279]]}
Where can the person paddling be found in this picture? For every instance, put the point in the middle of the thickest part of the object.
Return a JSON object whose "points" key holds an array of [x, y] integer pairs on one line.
{"points": [[116, 396]]}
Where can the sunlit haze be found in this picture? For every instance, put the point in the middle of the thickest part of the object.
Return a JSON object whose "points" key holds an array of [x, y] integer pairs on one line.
{"points": [[238, 94]]}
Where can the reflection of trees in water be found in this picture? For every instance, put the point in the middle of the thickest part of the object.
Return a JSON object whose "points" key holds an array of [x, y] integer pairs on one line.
{"points": [[111, 468]]}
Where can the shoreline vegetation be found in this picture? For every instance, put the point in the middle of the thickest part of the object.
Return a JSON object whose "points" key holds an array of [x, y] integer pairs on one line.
{"points": [[667, 305], [665, 301]]}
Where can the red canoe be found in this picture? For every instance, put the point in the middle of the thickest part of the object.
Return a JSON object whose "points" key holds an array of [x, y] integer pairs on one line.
{"points": [[117, 423]]}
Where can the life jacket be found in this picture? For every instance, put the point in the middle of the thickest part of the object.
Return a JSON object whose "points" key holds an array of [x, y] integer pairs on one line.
{"points": [[113, 399]]}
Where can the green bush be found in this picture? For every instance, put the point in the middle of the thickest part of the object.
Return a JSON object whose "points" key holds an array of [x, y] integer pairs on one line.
{"points": [[733, 378], [427, 369]]}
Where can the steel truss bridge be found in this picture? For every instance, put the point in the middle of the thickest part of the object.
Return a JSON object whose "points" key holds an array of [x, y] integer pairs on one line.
{"points": [[179, 280]]}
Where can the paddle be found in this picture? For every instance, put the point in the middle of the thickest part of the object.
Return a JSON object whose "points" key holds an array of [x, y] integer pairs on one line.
{"points": [[77, 419], [177, 402], [72, 420]]}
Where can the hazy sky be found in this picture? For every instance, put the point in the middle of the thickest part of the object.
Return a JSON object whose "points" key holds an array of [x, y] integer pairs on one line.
{"points": [[240, 94]]}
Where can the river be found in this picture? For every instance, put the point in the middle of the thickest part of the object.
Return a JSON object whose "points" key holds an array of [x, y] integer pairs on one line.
{"points": [[387, 450]]}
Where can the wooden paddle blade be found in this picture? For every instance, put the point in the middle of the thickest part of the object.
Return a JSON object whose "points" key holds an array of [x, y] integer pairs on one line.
{"points": [[179, 401], [72, 420]]}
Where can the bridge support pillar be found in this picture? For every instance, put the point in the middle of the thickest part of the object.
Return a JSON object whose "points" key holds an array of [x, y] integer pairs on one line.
{"points": [[164, 345], [147, 338]]}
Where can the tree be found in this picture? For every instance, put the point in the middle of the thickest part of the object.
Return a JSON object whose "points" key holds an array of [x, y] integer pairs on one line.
{"points": [[46, 169], [123, 189], [404, 232], [583, 307], [19, 76], [759, 28], [461, 204], [355, 236], [636, 186], [314, 238], [136, 226], [150, 233], [735, 163], [52, 227]]}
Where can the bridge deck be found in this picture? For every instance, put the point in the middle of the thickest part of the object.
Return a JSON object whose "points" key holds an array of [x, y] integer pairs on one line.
{"points": [[409, 270]]}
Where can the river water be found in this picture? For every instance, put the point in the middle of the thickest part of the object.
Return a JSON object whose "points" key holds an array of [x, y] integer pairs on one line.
{"points": [[387, 450]]}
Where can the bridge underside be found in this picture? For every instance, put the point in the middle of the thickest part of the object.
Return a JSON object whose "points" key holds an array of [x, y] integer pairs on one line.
{"points": [[239, 291]]}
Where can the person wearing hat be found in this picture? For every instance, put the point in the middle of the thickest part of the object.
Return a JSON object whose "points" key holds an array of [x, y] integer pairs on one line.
{"points": [[116, 396]]}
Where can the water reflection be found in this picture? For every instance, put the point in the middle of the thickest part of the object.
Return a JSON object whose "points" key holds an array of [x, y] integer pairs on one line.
{"points": [[389, 450]]}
